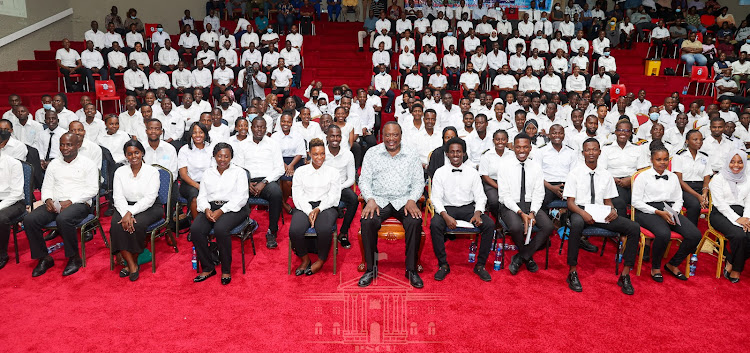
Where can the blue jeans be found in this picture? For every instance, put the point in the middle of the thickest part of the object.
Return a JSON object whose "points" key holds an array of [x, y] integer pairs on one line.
{"points": [[692, 28], [333, 12], [691, 59], [285, 22]]}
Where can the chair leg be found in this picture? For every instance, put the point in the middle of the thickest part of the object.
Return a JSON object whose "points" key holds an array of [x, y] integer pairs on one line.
{"points": [[720, 259], [242, 251], [252, 239], [642, 246], [83, 245], [335, 250], [15, 241], [546, 253], [289, 265], [104, 236], [174, 240], [153, 252], [604, 244]]}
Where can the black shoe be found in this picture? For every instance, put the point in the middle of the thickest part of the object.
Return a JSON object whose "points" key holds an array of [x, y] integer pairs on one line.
{"points": [[482, 273], [732, 280], [74, 264], [414, 279], [515, 264], [573, 282], [3, 261], [109, 212], [366, 279], [201, 278], [345, 243], [124, 273], [52, 235], [271, 240], [44, 264], [361, 49], [89, 236], [226, 280], [134, 275], [587, 246], [532, 266], [647, 253], [657, 277], [442, 272], [301, 271], [679, 275], [624, 283]]}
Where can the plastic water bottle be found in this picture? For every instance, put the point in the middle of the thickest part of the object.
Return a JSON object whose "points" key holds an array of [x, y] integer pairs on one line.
{"points": [[473, 252], [693, 263], [498, 265], [619, 252], [54, 247], [195, 260], [684, 90]]}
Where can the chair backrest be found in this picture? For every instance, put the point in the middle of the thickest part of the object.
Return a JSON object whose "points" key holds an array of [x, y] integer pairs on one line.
{"points": [[165, 188], [632, 181], [699, 73], [617, 91], [708, 20], [28, 178], [150, 29], [105, 88]]}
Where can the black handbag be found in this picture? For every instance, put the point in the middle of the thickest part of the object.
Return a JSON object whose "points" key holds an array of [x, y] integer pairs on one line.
{"points": [[668, 71]]}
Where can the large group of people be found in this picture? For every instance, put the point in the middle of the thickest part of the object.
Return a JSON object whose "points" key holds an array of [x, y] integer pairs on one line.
{"points": [[476, 164]]}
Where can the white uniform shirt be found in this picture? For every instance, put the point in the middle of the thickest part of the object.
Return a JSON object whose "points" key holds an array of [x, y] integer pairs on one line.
{"points": [[196, 160], [315, 185], [646, 188], [164, 155], [77, 181], [11, 181], [143, 189], [578, 185], [231, 186], [452, 186], [263, 159], [509, 184]]}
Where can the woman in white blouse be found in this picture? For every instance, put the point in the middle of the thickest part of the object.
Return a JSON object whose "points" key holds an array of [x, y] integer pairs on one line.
{"points": [[489, 164], [223, 203], [730, 215], [694, 171], [241, 128], [135, 190], [192, 160], [292, 149], [653, 191], [316, 192]]}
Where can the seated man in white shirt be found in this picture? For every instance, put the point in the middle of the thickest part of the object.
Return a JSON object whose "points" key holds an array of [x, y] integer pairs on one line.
{"points": [[188, 43], [382, 84], [469, 80], [230, 56], [86, 146], [458, 194], [70, 184], [281, 79], [223, 79], [68, 62], [12, 147], [438, 81], [601, 83], [136, 83], [168, 56], [93, 64], [117, 61], [159, 79]]}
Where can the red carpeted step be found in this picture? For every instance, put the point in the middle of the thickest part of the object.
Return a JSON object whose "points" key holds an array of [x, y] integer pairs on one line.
{"points": [[30, 65], [28, 87], [20, 76], [77, 45], [44, 54]]}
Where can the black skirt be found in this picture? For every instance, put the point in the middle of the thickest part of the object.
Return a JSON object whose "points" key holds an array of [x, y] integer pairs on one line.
{"points": [[134, 243]]}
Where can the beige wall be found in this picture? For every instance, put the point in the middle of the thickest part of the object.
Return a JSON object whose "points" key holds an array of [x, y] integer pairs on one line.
{"points": [[23, 49], [168, 13]]}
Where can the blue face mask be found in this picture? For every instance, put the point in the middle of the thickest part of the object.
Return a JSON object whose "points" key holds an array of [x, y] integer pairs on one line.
{"points": [[160, 30], [47, 106], [269, 30], [336, 97], [252, 116], [606, 53], [747, 41], [451, 34], [677, 10], [133, 17], [544, 19], [538, 37], [703, 108], [653, 116]]}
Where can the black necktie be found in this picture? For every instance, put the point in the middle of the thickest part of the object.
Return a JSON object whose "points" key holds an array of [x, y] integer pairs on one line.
{"points": [[456, 170], [593, 192], [665, 177], [49, 145], [523, 184]]}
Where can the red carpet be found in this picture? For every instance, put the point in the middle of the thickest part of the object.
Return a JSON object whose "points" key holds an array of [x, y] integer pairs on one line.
{"points": [[267, 310]]}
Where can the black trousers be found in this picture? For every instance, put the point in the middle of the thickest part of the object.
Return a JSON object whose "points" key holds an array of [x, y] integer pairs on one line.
{"points": [[67, 220], [622, 201], [739, 240], [188, 191], [515, 228], [200, 229], [370, 227], [7, 215], [691, 203], [66, 75], [662, 230], [493, 202], [133, 243], [464, 213], [324, 226], [349, 198], [549, 196], [622, 225], [272, 194]]}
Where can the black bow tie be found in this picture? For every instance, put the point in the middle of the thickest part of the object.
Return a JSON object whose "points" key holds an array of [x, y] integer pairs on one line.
{"points": [[457, 170], [665, 177]]}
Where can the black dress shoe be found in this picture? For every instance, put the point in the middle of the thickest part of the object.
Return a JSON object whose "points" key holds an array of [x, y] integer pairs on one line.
{"points": [[587, 246], [89, 236], [414, 279], [361, 49], [515, 264], [3, 261], [679, 275], [44, 264], [52, 235], [573, 282], [657, 277], [301, 271], [124, 273], [532, 266], [442, 272], [74, 264], [201, 278], [733, 280], [271, 240], [625, 285], [226, 280], [647, 253], [482, 273], [109, 212], [134, 275], [345, 243], [366, 279]]}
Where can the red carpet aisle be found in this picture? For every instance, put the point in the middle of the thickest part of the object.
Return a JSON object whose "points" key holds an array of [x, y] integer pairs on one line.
{"points": [[266, 310]]}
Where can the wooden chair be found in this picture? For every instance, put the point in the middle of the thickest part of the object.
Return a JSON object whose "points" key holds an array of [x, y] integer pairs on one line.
{"points": [[715, 238], [28, 199]]}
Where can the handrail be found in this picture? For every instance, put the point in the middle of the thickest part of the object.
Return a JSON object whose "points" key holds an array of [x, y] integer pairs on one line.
{"points": [[35, 27]]}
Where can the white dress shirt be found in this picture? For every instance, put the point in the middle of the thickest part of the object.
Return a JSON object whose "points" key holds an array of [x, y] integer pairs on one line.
{"points": [[457, 186], [114, 144], [723, 197], [196, 160], [15, 149], [143, 189], [646, 188], [621, 162], [249, 37], [477, 146], [164, 155], [67, 57], [343, 163], [77, 181], [28, 133], [600, 83], [202, 78], [282, 77], [692, 169], [98, 38], [526, 83], [490, 162], [50, 141], [11, 181], [576, 44], [159, 80], [316, 185], [135, 79], [231, 186], [230, 56], [556, 164], [188, 40], [551, 84], [505, 82], [117, 59], [110, 38], [575, 83], [263, 160], [509, 184], [517, 62], [92, 59], [132, 38], [578, 185], [291, 57], [496, 61], [381, 57], [223, 76], [599, 45], [716, 150]]}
